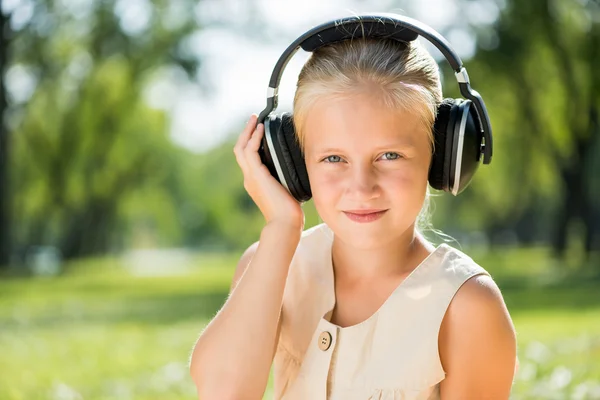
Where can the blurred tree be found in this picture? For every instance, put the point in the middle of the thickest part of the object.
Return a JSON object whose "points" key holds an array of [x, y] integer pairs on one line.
{"points": [[5, 221], [537, 66], [84, 139]]}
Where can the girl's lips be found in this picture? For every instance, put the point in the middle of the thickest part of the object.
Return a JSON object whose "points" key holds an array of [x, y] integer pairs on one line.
{"points": [[369, 217], [365, 210]]}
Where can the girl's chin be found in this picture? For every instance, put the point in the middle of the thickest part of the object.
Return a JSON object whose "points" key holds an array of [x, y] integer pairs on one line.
{"points": [[365, 235]]}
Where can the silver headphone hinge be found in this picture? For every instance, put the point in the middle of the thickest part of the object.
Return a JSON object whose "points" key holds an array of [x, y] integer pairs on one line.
{"points": [[462, 76], [272, 92]]}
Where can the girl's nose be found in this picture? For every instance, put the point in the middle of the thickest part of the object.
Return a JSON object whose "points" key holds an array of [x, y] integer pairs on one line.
{"points": [[363, 184]]}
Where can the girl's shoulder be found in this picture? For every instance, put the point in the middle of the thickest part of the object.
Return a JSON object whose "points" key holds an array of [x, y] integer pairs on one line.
{"points": [[456, 262]]}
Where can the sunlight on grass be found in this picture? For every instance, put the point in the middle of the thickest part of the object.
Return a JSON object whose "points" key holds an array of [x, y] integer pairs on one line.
{"points": [[99, 332]]}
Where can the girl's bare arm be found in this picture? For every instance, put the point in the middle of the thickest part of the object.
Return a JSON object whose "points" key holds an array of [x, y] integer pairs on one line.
{"points": [[232, 357]]}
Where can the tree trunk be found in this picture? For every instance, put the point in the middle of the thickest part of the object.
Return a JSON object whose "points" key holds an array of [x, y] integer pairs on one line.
{"points": [[88, 233], [578, 204], [5, 220]]}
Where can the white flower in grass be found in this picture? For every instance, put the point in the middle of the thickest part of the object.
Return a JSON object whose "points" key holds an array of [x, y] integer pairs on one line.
{"points": [[538, 352], [586, 390], [527, 371], [62, 391], [561, 377]]}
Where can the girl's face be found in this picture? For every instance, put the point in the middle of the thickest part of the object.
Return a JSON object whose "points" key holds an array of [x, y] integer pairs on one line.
{"points": [[360, 155]]}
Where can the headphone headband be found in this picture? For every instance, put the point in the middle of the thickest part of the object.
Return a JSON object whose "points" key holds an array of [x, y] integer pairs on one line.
{"points": [[381, 25]]}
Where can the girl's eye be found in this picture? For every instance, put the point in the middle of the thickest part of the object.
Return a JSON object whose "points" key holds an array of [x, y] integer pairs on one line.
{"points": [[394, 156], [333, 159], [388, 156]]}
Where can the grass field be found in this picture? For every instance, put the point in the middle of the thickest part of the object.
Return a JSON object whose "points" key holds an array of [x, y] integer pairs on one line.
{"points": [[99, 332]]}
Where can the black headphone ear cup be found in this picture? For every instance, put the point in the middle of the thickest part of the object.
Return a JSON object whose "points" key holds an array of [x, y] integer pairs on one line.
{"points": [[281, 155], [466, 152], [452, 135], [437, 180], [294, 160]]}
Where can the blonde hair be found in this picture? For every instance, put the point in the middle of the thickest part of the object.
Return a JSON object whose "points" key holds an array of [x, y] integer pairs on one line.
{"points": [[402, 75]]}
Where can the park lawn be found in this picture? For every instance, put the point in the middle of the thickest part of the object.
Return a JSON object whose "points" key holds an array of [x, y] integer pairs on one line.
{"points": [[98, 332]]}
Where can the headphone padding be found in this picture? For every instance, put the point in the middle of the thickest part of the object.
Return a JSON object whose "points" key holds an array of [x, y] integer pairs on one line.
{"points": [[436, 170], [282, 157], [452, 132], [293, 159]]}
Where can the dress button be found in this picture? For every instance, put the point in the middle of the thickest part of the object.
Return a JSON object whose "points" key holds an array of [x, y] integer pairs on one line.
{"points": [[324, 340]]}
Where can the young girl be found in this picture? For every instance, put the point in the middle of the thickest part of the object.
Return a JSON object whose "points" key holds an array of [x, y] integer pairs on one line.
{"points": [[361, 306]]}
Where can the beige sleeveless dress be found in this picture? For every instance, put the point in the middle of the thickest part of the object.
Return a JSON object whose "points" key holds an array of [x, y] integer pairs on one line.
{"points": [[392, 355]]}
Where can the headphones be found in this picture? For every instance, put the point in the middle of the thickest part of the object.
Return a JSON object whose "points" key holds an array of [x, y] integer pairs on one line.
{"points": [[462, 129]]}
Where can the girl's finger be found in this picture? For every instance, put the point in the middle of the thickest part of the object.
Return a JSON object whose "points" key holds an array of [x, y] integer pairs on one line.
{"points": [[240, 157], [254, 142], [242, 142], [251, 153], [245, 135]]}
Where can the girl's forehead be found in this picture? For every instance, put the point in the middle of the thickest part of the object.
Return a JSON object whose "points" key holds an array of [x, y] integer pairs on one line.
{"points": [[362, 108], [345, 121]]}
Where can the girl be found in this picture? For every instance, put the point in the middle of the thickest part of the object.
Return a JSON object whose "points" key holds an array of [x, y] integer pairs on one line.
{"points": [[361, 306]]}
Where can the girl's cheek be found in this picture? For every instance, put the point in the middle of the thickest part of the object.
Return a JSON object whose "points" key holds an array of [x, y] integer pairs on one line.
{"points": [[320, 176], [325, 187], [406, 176], [331, 179]]}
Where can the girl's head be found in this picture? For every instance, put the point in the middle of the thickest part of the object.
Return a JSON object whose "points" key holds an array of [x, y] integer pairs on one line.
{"points": [[363, 112]]}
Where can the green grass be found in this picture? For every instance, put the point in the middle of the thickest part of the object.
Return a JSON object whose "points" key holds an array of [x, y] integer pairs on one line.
{"points": [[98, 332]]}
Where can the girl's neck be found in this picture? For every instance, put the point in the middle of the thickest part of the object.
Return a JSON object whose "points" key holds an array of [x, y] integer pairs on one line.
{"points": [[353, 265]]}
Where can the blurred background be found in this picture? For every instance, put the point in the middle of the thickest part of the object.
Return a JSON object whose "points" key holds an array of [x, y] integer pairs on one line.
{"points": [[123, 213]]}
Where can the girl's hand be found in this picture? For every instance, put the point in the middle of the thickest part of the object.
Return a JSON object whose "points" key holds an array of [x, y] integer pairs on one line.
{"points": [[274, 201]]}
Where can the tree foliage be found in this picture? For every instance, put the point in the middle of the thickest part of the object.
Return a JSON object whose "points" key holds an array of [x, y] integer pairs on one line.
{"points": [[542, 82], [86, 141], [92, 168]]}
